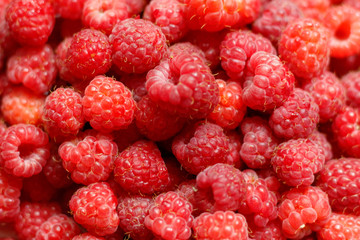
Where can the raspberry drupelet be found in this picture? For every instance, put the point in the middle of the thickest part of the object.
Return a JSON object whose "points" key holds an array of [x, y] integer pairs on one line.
{"points": [[340, 226], [272, 230], [315, 9], [10, 191]]}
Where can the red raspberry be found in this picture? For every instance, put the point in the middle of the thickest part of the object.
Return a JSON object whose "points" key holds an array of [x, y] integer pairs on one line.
{"points": [[304, 46], [89, 157], [69, 9], [138, 45], [181, 47], [136, 83], [24, 150], [268, 82], [10, 191], [135, 7], [275, 17], [220, 225], [272, 231], [216, 15], [340, 226], [89, 54], [87, 236], [170, 216], [34, 67], [315, 9], [169, 15], [20, 105], [32, 216], [340, 180], [351, 82], [183, 85], [125, 137], [297, 117], [132, 211], [237, 47], [104, 14], [107, 104], [30, 21], [58, 226], [94, 207], [321, 139], [297, 160], [328, 93], [37, 189], [303, 210], [343, 23], [204, 144], [231, 109], [140, 168], [63, 114], [61, 51], [258, 144]]}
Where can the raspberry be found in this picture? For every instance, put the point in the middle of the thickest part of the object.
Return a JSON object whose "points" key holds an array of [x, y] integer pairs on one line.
{"points": [[155, 123], [328, 93], [69, 27], [342, 66], [180, 47], [169, 16], [125, 137], [340, 226], [303, 210], [343, 23], [30, 21], [138, 45], [170, 216], [272, 230], [132, 211], [89, 55], [24, 150], [274, 19], [37, 189], [87, 236], [237, 47], [61, 51], [69, 9], [220, 225], [107, 104], [351, 82], [135, 7], [136, 83], [94, 207], [58, 226], [315, 9], [304, 46], [268, 83], [321, 139], [10, 196], [63, 113], [21, 105], [297, 117], [32, 216], [103, 15], [339, 179], [140, 168], [89, 157], [34, 67], [231, 110], [258, 144]]}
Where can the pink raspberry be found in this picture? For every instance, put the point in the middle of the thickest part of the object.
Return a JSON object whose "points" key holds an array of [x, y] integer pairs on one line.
{"points": [[340, 226], [34, 67], [170, 216], [297, 117], [351, 82], [37, 189], [137, 45], [30, 21], [94, 207], [10, 191], [69, 9]]}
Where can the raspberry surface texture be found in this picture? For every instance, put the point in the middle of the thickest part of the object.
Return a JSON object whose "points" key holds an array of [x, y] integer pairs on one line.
{"points": [[340, 226], [10, 196], [351, 82]]}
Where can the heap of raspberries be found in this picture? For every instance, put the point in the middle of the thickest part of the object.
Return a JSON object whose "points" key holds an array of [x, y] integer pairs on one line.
{"points": [[179, 119]]}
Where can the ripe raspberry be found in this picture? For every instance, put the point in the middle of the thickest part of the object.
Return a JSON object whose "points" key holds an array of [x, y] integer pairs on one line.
{"points": [[351, 82], [20, 105], [136, 7], [69, 9], [297, 117], [303, 210], [87, 236], [275, 17], [272, 231], [136, 83], [58, 226], [141, 169], [339, 179], [61, 51], [24, 150], [315, 9], [343, 23], [132, 211], [340, 226], [321, 139], [237, 47], [138, 45], [34, 67], [89, 55], [37, 189], [181, 47], [220, 225], [10, 191], [107, 104], [63, 114], [94, 207], [30, 21], [103, 15], [304, 46], [231, 109], [32, 216], [170, 216]]}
